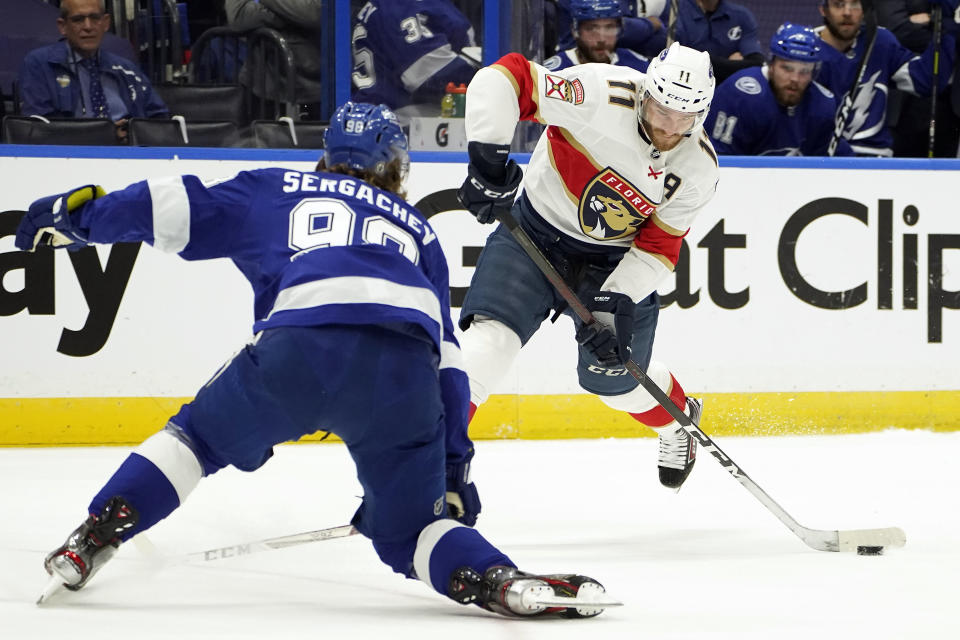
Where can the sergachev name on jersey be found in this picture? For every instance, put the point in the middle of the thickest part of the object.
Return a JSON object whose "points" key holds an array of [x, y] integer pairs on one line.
{"points": [[312, 183], [560, 88], [611, 208]]}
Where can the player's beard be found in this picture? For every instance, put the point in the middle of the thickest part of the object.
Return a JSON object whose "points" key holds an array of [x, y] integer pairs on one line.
{"points": [[594, 55], [843, 32], [788, 99]]}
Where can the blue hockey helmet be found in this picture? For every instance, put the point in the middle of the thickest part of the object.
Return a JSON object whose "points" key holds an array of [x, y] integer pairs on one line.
{"points": [[582, 10], [365, 137], [796, 42]]}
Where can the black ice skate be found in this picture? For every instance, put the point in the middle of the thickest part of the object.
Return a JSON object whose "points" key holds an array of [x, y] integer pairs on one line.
{"points": [[89, 547], [511, 592], [678, 451]]}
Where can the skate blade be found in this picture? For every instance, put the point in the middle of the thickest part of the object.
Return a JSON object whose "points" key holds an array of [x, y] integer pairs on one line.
{"points": [[576, 603], [54, 586], [590, 600]]}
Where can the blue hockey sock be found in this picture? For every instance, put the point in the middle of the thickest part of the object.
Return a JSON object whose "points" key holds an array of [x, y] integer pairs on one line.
{"points": [[154, 480], [446, 545]]}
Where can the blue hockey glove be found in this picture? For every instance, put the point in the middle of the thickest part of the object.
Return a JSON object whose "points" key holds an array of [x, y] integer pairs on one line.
{"points": [[463, 501], [492, 181], [47, 221], [608, 339]]}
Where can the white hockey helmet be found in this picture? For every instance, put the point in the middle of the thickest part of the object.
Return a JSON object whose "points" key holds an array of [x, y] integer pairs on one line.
{"points": [[682, 79]]}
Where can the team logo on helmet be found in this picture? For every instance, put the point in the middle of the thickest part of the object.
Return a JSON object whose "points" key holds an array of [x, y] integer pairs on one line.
{"points": [[562, 89], [611, 208]]}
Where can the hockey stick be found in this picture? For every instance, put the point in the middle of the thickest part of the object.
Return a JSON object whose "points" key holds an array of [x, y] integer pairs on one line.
{"points": [[870, 35], [672, 23], [937, 32], [55, 584], [247, 548], [867, 541]]}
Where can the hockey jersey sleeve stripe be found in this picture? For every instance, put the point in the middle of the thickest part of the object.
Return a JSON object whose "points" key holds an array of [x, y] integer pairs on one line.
{"points": [[579, 165], [426, 66], [524, 78], [171, 214], [358, 290], [662, 244], [450, 356], [657, 220]]}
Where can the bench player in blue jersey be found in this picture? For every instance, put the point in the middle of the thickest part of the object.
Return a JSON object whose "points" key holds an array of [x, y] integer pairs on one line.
{"points": [[778, 109], [596, 27], [353, 335], [889, 63], [405, 52]]}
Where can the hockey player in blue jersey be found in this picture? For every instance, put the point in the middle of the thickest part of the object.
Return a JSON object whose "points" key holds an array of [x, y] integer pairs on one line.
{"points": [[889, 62], [641, 28], [778, 109], [353, 335], [405, 52], [596, 26]]}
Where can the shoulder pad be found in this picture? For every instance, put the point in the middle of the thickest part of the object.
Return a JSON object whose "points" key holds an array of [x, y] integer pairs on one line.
{"points": [[749, 85]]}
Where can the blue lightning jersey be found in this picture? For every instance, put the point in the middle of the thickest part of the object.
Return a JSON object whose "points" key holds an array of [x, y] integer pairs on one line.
{"points": [[637, 32], [317, 248], [406, 52], [866, 127], [622, 57], [746, 119]]}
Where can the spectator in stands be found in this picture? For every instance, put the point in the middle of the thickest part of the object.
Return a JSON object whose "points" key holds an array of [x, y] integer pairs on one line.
{"points": [[596, 26], [890, 63], [406, 51], [299, 21], [909, 115], [640, 26], [725, 30], [779, 109], [78, 79]]}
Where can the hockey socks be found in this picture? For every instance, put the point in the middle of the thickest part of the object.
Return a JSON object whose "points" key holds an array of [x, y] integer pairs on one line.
{"points": [[155, 479], [444, 546]]}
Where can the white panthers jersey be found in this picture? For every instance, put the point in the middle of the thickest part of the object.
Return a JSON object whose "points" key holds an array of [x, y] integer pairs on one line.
{"points": [[594, 175]]}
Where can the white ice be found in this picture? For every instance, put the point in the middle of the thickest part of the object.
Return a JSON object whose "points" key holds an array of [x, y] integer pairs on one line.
{"points": [[707, 562]]}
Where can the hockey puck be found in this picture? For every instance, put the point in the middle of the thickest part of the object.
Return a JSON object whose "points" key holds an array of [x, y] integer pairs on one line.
{"points": [[869, 551]]}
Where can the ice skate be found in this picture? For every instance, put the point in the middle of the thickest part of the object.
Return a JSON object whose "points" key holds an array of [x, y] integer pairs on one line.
{"points": [[678, 451], [89, 547], [511, 592]]}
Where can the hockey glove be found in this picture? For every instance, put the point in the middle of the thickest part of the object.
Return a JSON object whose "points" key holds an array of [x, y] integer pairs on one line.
{"points": [[48, 220], [463, 501], [492, 181], [608, 338]]}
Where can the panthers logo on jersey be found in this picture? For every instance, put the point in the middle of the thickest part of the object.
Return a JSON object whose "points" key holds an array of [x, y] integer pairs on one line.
{"points": [[611, 208]]}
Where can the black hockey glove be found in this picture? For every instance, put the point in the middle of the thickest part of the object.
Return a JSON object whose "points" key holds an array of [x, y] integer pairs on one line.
{"points": [[47, 221], [463, 501], [492, 180], [608, 338]]}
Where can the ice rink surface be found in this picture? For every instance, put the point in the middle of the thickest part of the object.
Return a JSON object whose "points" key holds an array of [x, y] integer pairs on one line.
{"points": [[707, 562]]}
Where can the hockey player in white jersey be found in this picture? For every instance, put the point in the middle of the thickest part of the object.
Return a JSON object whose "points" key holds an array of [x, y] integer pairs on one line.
{"points": [[615, 182], [353, 334]]}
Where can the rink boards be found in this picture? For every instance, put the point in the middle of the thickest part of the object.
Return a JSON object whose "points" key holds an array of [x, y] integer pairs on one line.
{"points": [[813, 296]]}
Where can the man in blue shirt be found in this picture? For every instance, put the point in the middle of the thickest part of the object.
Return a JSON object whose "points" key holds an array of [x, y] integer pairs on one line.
{"points": [[352, 334], [596, 26], [725, 30], [78, 79], [777, 109]]}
